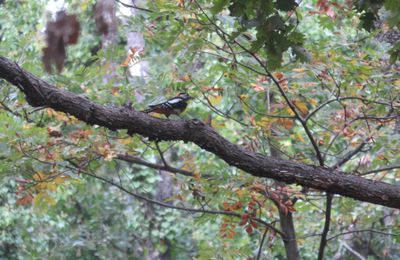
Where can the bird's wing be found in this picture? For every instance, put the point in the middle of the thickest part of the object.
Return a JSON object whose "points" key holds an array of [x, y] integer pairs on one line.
{"points": [[168, 104], [174, 100]]}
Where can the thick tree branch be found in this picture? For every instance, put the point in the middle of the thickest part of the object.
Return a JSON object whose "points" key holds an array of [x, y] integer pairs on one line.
{"points": [[40, 93]]}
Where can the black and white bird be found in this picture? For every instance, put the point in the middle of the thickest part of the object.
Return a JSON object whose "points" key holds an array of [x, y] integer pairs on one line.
{"points": [[173, 106]]}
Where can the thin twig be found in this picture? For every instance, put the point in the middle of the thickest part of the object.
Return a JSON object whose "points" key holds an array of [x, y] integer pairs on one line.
{"points": [[135, 7], [327, 224], [261, 244], [381, 170], [362, 230], [364, 100], [161, 155], [352, 250], [359, 148]]}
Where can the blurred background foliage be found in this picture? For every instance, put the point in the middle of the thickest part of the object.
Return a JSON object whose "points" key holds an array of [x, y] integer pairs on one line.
{"points": [[51, 207]]}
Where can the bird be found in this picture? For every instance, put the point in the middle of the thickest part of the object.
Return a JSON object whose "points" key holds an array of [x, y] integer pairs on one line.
{"points": [[173, 106]]}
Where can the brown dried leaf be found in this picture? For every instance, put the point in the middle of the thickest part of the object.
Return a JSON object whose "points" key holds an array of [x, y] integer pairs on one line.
{"points": [[105, 17], [287, 123], [80, 134], [54, 131], [26, 200], [60, 33]]}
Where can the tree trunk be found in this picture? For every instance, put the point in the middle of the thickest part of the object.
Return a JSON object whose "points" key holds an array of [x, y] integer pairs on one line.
{"points": [[286, 220]]}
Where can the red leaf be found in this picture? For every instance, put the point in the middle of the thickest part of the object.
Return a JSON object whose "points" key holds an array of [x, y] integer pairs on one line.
{"points": [[253, 224], [243, 222], [27, 199], [249, 229]]}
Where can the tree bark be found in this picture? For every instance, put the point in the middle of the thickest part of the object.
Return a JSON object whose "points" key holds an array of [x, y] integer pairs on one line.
{"points": [[41, 93], [290, 242]]}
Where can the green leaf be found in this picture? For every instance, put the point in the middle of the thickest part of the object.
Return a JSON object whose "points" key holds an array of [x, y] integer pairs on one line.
{"points": [[259, 42], [392, 5], [286, 5], [367, 21], [275, 23], [296, 37], [219, 5], [238, 9], [395, 53], [274, 60]]}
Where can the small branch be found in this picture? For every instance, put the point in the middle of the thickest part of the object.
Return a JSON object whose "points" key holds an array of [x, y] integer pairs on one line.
{"points": [[216, 110], [161, 155], [37, 109], [140, 161], [350, 155], [381, 170], [359, 148], [135, 7], [350, 232], [352, 250], [360, 231], [364, 100], [239, 63], [325, 231], [6, 108], [261, 244], [261, 113]]}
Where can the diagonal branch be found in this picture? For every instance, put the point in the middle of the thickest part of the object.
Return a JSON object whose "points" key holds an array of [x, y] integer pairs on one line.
{"points": [[40, 93]]}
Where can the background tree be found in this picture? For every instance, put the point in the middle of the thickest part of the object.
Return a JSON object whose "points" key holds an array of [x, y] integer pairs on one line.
{"points": [[285, 92]]}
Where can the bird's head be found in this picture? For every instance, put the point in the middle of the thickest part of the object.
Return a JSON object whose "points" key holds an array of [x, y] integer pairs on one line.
{"points": [[184, 95]]}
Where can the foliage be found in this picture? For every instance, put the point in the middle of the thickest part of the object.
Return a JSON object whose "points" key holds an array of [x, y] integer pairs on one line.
{"points": [[255, 68]]}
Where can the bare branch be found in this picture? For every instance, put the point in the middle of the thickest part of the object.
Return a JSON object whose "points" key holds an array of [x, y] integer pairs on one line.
{"points": [[381, 170], [261, 244], [322, 245], [135, 7], [364, 100], [352, 250], [360, 231], [140, 161]]}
